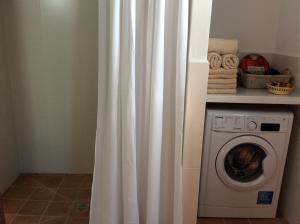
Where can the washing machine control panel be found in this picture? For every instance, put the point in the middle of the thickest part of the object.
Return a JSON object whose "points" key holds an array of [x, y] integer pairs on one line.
{"points": [[236, 123], [229, 123]]}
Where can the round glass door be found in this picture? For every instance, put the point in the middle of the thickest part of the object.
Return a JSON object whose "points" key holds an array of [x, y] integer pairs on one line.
{"points": [[246, 162]]}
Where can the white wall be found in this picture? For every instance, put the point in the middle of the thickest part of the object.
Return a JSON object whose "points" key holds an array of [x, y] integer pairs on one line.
{"points": [[253, 23], [288, 35], [8, 150], [51, 48]]}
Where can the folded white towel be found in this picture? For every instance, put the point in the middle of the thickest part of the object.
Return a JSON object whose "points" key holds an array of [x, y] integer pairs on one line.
{"points": [[215, 60], [230, 61], [223, 46], [221, 86], [223, 71], [222, 76], [222, 81], [221, 91]]}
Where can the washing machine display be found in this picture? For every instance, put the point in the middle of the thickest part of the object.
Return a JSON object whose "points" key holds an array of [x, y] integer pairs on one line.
{"points": [[243, 162]]}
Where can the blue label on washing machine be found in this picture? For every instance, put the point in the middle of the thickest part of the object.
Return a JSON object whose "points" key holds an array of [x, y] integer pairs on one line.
{"points": [[265, 197]]}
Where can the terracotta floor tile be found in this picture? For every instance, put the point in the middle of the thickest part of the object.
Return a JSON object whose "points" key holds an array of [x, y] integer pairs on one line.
{"points": [[210, 221], [81, 209], [65, 195], [263, 221], [42, 194], [12, 206], [49, 181], [237, 221], [33, 208], [75, 220], [281, 221], [87, 182], [84, 195], [26, 220], [53, 220], [72, 181], [72, 198], [59, 209], [25, 180], [9, 218], [18, 193]]}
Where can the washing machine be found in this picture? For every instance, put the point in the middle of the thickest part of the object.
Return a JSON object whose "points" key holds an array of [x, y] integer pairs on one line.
{"points": [[243, 161]]}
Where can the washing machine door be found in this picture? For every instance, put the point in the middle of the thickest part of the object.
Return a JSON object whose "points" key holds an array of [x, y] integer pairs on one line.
{"points": [[246, 162]]}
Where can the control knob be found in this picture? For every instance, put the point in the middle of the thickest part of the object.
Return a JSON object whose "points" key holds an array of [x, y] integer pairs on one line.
{"points": [[252, 125]]}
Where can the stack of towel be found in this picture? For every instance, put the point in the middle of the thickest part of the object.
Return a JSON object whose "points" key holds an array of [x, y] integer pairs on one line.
{"points": [[223, 62]]}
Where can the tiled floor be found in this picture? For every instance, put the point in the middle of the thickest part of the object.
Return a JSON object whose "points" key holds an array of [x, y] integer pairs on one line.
{"points": [[48, 199], [239, 221]]}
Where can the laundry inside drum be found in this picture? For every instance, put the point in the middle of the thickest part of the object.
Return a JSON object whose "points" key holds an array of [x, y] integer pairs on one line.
{"points": [[244, 162]]}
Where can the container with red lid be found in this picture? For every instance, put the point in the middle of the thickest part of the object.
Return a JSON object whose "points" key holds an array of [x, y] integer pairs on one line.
{"points": [[255, 64]]}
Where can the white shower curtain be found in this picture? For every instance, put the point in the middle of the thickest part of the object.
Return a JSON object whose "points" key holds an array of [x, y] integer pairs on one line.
{"points": [[142, 73]]}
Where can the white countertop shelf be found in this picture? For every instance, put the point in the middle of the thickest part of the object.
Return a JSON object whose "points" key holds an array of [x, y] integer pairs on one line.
{"points": [[254, 96]]}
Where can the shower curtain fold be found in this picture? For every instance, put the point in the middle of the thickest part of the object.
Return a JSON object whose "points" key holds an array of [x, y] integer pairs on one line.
{"points": [[141, 90]]}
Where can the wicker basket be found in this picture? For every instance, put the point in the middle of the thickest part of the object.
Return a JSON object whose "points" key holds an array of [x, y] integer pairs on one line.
{"points": [[280, 90], [253, 81]]}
